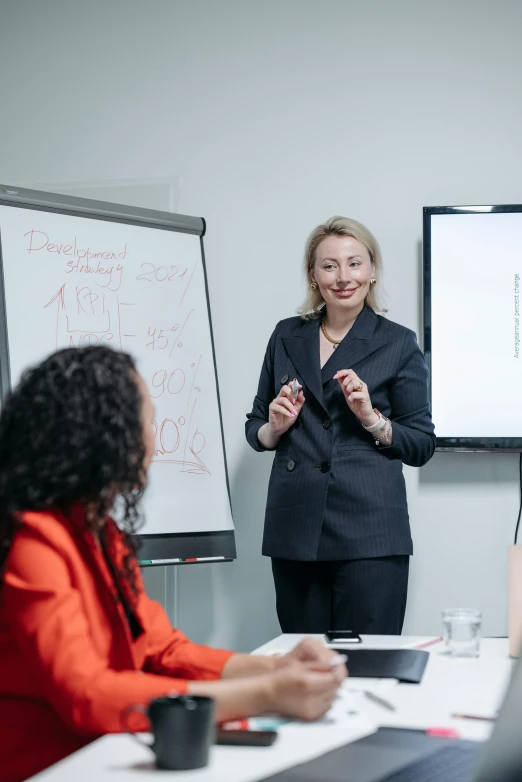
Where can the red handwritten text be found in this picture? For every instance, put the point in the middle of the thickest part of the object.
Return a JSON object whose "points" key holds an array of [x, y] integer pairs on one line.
{"points": [[38, 240]]}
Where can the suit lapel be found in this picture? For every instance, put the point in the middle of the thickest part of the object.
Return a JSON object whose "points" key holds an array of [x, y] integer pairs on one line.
{"points": [[303, 352], [359, 343]]}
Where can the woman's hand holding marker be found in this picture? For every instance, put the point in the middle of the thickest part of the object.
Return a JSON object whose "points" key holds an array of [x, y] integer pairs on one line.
{"points": [[285, 408], [295, 390]]}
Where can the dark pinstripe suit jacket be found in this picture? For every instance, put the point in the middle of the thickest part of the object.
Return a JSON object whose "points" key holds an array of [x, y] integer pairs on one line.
{"points": [[333, 494]]}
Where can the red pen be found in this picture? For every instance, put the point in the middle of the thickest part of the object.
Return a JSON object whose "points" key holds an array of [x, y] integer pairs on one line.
{"points": [[444, 733], [429, 643]]}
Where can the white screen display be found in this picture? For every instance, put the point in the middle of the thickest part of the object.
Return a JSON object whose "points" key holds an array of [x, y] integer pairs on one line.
{"points": [[476, 361]]}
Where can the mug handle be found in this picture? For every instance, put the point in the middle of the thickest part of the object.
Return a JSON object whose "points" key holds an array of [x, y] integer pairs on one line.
{"points": [[137, 707]]}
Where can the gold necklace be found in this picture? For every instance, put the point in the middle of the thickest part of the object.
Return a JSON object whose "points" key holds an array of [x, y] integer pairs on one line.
{"points": [[335, 342]]}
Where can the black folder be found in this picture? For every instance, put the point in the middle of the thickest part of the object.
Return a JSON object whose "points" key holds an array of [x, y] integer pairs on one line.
{"points": [[406, 665]]}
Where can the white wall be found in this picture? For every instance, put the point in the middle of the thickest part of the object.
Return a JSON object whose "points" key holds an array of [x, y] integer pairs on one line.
{"points": [[276, 115]]}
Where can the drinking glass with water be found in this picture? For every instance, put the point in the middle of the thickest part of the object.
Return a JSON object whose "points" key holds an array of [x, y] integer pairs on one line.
{"points": [[462, 631]]}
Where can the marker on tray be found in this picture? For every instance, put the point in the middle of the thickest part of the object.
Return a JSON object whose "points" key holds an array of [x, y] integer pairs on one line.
{"points": [[178, 560]]}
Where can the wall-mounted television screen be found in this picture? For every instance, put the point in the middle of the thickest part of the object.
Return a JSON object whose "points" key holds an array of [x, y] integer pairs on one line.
{"points": [[473, 325]]}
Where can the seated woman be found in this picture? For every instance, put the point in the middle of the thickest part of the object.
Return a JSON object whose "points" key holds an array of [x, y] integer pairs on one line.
{"points": [[79, 638]]}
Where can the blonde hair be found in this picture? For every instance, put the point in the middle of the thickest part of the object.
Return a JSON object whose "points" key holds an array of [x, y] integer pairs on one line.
{"points": [[340, 226]]}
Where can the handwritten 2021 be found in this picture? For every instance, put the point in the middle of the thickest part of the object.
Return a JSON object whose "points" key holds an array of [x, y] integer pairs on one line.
{"points": [[161, 273]]}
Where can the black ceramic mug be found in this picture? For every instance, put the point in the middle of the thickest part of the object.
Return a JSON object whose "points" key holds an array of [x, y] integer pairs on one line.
{"points": [[183, 728]]}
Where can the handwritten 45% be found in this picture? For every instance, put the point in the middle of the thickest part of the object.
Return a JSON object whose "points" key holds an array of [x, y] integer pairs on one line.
{"points": [[161, 338]]}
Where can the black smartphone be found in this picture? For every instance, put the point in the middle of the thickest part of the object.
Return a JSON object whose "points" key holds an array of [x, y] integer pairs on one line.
{"points": [[342, 637], [246, 738]]}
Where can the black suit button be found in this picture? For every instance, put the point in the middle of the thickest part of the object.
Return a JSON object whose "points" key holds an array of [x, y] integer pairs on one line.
{"points": [[290, 465], [327, 424], [325, 467], [297, 423], [284, 380]]}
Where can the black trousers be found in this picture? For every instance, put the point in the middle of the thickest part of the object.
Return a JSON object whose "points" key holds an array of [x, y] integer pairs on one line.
{"points": [[365, 595]]}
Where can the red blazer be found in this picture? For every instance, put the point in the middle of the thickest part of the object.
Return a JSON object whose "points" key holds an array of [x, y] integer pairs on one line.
{"points": [[68, 662]]}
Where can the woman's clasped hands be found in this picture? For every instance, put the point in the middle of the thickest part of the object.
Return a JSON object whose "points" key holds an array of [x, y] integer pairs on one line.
{"points": [[305, 683]]}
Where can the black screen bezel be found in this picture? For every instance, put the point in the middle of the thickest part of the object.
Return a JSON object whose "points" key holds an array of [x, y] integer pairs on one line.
{"points": [[488, 444]]}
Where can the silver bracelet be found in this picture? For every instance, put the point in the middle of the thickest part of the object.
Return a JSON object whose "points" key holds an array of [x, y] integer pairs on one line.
{"points": [[385, 433]]}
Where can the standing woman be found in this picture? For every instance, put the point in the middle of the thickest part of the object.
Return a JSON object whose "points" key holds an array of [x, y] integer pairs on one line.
{"points": [[336, 523]]}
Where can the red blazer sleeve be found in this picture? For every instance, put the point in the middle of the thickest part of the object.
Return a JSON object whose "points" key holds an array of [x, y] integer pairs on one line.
{"points": [[170, 653], [46, 616]]}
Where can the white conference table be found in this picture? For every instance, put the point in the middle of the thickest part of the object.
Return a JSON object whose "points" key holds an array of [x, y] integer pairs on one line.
{"points": [[449, 686]]}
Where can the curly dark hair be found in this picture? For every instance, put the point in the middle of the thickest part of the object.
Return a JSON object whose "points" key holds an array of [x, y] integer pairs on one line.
{"points": [[71, 432]]}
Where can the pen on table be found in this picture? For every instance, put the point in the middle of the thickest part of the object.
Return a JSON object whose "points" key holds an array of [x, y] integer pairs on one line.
{"points": [[430, 643], [473, 717], [380, 701], [443, 732]]}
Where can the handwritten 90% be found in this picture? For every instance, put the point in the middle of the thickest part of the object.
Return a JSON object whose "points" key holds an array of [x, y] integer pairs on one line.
{"points": [[173, 382]]}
